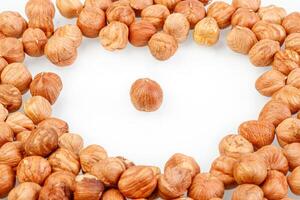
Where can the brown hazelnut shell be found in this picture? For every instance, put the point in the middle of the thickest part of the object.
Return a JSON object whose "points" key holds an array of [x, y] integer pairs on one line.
{"points": [[140, 33], [206, 186], [193, 10], [33, 169], [146, 95], [12, 24], [11, 49], [138, 182], [41, 142], [259, 133], [47, 85], [64, 160], [34, 41], [90, 21]]}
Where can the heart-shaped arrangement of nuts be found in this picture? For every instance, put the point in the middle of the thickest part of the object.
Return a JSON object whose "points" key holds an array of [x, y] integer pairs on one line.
{"points": [[48, 162]]}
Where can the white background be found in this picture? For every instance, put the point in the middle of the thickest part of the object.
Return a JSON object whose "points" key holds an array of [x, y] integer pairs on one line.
{"points": [[208, 92]]}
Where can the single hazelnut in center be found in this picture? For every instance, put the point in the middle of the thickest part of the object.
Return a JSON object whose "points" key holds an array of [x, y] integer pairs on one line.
{"points": [[146, 95]]}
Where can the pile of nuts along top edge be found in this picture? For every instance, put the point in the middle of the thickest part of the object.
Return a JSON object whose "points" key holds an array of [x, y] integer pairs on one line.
{"points": [[48, 162]]}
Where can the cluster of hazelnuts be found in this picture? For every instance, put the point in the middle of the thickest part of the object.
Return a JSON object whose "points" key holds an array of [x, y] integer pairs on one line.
{"points": [[50, 163]]}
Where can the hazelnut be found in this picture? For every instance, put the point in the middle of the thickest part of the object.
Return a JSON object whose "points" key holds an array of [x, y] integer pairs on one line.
{"points": [[23, 136], [120, 11], [138, 182], [101, 4], [156, 15], [206, 32], [10, 154], [274, 158], [69, 8], [290, 23], [268, 30], [42, 142], [275, 112], [275, 185], [262, 53], [251, 169], [270, 82], [55, 192], [12, 24], [34, 41], [19, 122], [62, 178], [108, 171], [112, 194], [11, 49], [3, 113], [88, 187], [61, 51], [60, 125], [221, 12], [10, 97], [72, 142], [162, 46], [3, 63], [7, 181], [39, 8], [293, 181], [6, 133], [178, 26], [235, 146], [47, 85], [37, 108], [33, 169], [139, 5], [287, 131], [193, 10], [244, 17], [247, 192], [292, 42], [179, 160], [259, 133], [170, 4], [241, 39], [140, 33], [64, 160], [41, 14], [289, 95], [25, 191], [70, 31], [91, 155], [146, 95], [292, 153], [90, 21], [293, 78], [174, 182], [253, 5], [222, 168], [206, 186], [286, 60], [114, 36], [272, 13], [18, 75]]}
